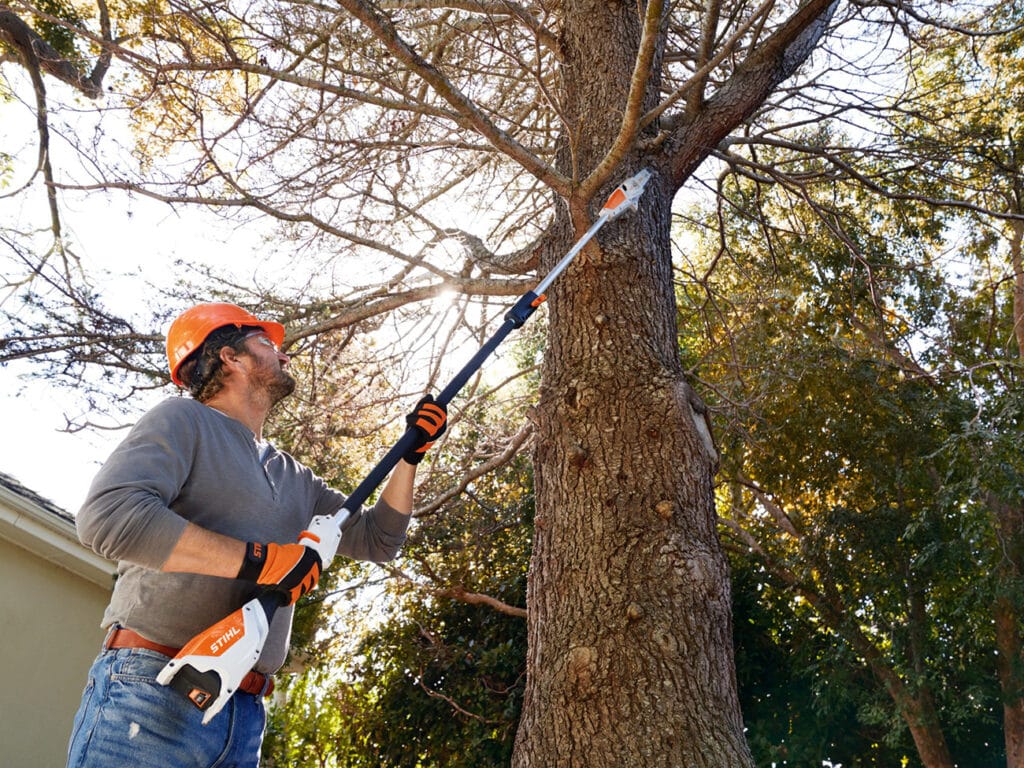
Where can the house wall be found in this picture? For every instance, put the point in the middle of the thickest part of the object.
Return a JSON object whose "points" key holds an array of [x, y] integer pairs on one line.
{"points": [[53, 596], [50, 633]]}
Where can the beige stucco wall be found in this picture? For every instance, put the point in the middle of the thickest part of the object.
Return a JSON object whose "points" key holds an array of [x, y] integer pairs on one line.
{"points": [[51, 601]]}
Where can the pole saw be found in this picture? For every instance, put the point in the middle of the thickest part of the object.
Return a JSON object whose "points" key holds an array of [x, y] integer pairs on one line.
{"points": [[211, 666]]}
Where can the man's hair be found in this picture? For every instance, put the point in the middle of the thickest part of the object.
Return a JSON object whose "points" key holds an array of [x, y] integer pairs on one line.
{"points": [[202, 371]]}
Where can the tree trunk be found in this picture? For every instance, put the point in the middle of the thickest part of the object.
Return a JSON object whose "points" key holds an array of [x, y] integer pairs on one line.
{"points": [[1017, 263], [1009, 520], [630, 660], [1011, 680], [918, 712], [1007, 618], [630, 639], [915, 704]]}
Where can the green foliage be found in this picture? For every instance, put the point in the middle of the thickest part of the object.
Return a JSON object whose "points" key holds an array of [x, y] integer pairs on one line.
{"points": [[855, 457], [438, 682], [808, 334], [6, 162], [313, 729], [446, 686], [798, 705], [61, 34]]}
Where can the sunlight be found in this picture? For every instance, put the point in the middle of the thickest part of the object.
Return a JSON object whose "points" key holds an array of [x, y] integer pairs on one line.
{"points": [[444, 299]]}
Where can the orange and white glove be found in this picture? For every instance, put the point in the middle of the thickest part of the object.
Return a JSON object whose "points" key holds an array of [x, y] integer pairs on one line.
{"points": [[289, 569], [430, 420]]}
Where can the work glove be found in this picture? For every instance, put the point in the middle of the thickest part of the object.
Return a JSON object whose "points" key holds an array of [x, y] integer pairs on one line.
{"points": [[291, 570], [430, 420]]}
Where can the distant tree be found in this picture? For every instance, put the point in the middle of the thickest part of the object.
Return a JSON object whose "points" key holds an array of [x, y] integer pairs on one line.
{"points": [[974, 150], [801, 700], [829, 329]]}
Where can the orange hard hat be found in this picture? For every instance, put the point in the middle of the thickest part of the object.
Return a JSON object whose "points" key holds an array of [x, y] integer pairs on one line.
{"points": [[190, 329]]}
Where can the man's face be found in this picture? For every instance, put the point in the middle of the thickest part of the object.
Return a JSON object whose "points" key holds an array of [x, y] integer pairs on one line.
{"points": [[269, 372]]}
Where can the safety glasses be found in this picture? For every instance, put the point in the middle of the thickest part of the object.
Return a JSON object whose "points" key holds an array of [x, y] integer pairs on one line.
{"points": [[262, 338]]}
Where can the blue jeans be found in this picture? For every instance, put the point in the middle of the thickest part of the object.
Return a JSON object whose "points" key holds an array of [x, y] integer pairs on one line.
{"points": [[126, 718]]}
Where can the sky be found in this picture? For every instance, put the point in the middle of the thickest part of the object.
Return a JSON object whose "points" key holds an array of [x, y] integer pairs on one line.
{"points": [[37, 449], [109, 232], [36, 452]]}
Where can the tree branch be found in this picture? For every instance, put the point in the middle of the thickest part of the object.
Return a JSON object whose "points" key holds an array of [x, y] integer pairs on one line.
{"points": [[700, 76], [37, 54], [488, 8], [363, 309], [513, 447], [772, 62], [634, 102], [458, 593], [450, 701], [470, 115]]}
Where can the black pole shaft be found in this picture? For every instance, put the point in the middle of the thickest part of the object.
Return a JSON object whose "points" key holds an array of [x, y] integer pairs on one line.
{"points": [[517, 315]]}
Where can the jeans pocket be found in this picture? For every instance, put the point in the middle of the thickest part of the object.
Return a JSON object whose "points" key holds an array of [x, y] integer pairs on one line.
{"points": [[137, 666]]}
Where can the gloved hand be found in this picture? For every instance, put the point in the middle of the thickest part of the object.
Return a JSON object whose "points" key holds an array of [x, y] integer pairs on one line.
{"points": [[290, 569], [430, 420]]}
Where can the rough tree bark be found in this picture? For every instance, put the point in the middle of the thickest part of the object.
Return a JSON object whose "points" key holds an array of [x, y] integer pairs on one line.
{"points": [[630, 644], [1009, 524]]}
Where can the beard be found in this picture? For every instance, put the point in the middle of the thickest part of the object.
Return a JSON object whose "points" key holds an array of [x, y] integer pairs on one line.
{"points": [[275, 381]]}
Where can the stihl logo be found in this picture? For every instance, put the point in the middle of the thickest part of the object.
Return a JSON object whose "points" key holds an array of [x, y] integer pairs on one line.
{"points": [[221, 643]]}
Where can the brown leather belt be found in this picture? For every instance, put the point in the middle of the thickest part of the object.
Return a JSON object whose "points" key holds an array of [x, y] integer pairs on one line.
{"points": [[255, 683]]}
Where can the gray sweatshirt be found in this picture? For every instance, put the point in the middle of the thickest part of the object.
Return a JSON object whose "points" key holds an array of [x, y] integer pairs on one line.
{"points": [[186, 462]]}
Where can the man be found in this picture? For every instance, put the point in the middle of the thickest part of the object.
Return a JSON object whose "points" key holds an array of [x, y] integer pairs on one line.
{"points": [[202, 515]]}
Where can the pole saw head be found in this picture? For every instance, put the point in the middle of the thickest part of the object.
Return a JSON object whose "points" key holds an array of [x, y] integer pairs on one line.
{"points": [[625, 196]]}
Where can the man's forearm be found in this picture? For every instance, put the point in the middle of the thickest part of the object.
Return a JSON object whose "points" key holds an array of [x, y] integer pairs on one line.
{"points": [[202, 551], [213, 554], [398, 492]]}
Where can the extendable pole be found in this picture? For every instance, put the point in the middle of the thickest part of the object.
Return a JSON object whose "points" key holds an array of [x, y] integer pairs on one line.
{"points": [[624, 198]]}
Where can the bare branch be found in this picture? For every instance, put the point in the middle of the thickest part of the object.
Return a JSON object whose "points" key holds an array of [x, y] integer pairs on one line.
{"points": [[696, 82], [490, 8], [511, 449], [458, 593], [772, 62], [470, 115], [622, 143]]}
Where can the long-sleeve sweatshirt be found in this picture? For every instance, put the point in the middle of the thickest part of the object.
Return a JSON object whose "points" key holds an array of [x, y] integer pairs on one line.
{"points": [[186, 462]]}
